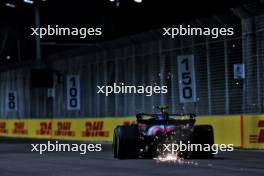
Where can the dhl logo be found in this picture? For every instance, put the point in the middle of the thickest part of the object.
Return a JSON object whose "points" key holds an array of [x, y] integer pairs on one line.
{"points": [[95, 129], [260, 137], [19, 128], [45, 128], [64, 129], [3, 128]]}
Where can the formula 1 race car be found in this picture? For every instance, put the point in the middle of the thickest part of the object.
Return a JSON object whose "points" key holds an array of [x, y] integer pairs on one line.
{"points": [[147, 138]]}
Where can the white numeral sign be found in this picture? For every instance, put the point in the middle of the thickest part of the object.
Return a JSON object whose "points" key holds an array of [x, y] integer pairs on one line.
{"points": [[11, 101], [186, 77], [73, 92]]}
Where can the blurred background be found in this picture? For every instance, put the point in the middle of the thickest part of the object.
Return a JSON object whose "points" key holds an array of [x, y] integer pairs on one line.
{"points": [[48, 86], [34, 73]]}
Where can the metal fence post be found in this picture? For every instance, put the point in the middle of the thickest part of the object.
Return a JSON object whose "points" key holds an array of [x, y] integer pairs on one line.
{"points": [[208, 77], [226, 78]]}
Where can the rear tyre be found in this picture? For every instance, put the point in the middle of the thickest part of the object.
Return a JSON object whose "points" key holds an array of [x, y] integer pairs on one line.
{"points": [[203, 134], [126, 142], [114, 143]]}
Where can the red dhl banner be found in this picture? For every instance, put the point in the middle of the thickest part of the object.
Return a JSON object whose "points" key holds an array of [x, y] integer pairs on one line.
{"points": [[3, 128], [19, 128], [45, 128], [242, 131], [253, 131], [64, 128], [93, 129]]}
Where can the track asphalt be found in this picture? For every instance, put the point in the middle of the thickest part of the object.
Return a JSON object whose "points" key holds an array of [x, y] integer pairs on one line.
{"points": [[16, 159]]}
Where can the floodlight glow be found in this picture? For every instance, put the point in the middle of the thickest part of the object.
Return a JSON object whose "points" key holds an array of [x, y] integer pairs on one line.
{"points": [[29, 1], [10, 5], [138, 1]]}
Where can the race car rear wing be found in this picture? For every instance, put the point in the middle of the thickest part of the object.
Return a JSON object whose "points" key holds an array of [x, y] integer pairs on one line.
{"points": [[172, 119], [191, 115]]}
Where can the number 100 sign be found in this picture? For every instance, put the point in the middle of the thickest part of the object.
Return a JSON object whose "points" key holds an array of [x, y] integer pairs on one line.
{"points": [[73, 92], [186, 77]]}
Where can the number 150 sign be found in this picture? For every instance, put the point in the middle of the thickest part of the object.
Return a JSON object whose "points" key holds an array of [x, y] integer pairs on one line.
{"points": [[186, 77]]}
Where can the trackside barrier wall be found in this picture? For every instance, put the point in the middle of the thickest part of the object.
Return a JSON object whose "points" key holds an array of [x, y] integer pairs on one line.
{"points": [[244, 131]]}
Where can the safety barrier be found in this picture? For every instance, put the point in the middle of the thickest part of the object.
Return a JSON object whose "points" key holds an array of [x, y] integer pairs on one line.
{"points": [[245, 131], [94, 129]]}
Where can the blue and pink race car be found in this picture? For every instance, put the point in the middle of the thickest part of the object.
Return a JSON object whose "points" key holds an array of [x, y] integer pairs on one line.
{"points": [[147, 137]]}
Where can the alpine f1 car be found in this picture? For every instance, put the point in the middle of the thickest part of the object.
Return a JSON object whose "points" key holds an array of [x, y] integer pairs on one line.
{"points": [[147, 138]]}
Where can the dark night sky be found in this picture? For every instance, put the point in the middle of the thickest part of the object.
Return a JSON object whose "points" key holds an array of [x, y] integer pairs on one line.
{"points": [[130, 18]]}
